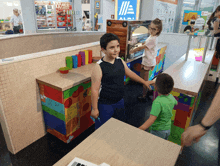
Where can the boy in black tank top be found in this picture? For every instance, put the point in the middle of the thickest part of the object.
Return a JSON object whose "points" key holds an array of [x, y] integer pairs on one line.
{"points": [[108, 82]]}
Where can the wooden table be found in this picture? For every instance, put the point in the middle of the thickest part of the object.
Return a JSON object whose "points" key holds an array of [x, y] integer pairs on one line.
{"points": [[119, 144], [189, 79]]}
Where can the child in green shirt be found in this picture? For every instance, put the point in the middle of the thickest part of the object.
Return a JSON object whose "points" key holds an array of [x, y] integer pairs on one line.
{"points": [[161, 111]]}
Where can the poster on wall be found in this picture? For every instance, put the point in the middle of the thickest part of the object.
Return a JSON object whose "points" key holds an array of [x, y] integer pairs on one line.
{"points": [[166, 11], [127, 10], [64, 14], [45, 14], [194, 21]]}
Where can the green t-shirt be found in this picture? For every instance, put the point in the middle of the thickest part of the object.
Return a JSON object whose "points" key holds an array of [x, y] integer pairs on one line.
{"points": [[162, 108]]}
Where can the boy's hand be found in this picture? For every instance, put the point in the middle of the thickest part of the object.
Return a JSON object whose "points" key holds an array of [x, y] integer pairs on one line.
{"points": [[147, 84], [142, 128], [95, 113]]}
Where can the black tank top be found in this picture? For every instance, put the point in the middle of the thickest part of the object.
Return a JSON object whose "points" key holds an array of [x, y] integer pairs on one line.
{"points": [[112, 83]]}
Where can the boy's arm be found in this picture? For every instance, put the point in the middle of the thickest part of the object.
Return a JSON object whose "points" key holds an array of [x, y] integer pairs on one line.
{"points": [[135, 77], [96, 82], [148, 123]]}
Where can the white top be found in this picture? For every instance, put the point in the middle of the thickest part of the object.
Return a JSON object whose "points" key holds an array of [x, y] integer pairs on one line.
{"points": [[150, 53], [15, 20]]}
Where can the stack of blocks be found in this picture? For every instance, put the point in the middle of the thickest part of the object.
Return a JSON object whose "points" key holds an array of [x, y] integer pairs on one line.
{"points": [[81, 59], [67, 113], [182, 115]]}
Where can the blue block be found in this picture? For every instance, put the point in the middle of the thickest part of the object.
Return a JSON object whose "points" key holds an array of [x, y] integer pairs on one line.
{"points": [[56, 106], [75, 61], [183, 99], [160, 65], [54, 123], [158, 52]]}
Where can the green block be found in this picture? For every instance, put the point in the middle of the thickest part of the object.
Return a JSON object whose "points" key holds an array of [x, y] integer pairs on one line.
{"points": [[68, 93], [69, 62], [54, 113], [127, 79], [86, 86], [175, 134], [150, 74], [192, 101]]}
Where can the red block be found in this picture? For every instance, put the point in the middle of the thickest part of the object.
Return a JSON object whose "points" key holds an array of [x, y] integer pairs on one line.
{"points": [[90, 56], [53, 94], [85, 122], [180, 118], [79, 60]]}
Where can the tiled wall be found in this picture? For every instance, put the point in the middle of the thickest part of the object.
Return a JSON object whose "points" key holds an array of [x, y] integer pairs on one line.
{"points": [[29, 44], [21, 112]]}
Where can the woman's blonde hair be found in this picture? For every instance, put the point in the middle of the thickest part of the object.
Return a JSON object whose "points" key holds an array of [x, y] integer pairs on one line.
{"points": [[159, 25]]}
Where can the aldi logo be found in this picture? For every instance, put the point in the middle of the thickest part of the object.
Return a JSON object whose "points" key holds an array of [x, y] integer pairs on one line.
{"points": [[127, 10]]}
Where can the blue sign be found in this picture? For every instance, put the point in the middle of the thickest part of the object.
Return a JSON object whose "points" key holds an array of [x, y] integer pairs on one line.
{"points": [[97, 5], [127, 10]]}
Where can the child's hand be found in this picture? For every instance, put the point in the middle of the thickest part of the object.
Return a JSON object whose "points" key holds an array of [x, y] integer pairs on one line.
{"points": [[147, 84], [95, 113], [142, 128]]}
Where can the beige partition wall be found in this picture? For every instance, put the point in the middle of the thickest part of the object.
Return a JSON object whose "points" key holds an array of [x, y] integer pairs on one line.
{"points": [[27, 44], [20, 107]]}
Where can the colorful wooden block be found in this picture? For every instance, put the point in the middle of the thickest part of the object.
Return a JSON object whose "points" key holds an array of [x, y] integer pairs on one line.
{"points": [[90, 56], [71, 112], [85, 122], [79, 60], [180, 118], [53, 94], [82, 53], [187, 122], [86, 57], [75, 61], [174, 114], [56, 106], [175, 93], [72, 125], [54, 113], [54, 123], [69, 62], [182, 107]]}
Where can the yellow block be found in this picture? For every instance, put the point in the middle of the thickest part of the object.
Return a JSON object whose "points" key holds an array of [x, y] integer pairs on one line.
{"points": [[71, 112], [174, 114], [86, 57], [187, 122], [90, 93], [175, 93]]}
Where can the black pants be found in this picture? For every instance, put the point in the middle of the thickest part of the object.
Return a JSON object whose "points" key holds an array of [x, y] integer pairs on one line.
{"points": [[16, 29]]}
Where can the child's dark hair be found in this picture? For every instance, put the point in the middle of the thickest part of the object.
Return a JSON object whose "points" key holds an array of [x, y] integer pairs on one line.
{"points": [[106, 38], [159, 25], [7, 26], [164, 83]]}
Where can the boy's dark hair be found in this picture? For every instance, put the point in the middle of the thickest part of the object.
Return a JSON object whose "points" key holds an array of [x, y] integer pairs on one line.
{"points": [[7, 26], [106, 38], [164, 83], [84, 17], [159, 25]]}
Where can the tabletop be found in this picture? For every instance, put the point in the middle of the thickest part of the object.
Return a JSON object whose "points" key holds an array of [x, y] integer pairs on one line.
{"points": [[119, 144], [189, 75]]}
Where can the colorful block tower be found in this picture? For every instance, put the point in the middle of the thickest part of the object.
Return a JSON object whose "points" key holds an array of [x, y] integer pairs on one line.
{"points": [[67, 113], [82, 53]]}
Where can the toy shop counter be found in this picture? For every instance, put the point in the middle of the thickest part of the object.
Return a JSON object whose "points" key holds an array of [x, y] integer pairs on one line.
{"points": [[189, 79], [189, 75], [159, 46]]}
